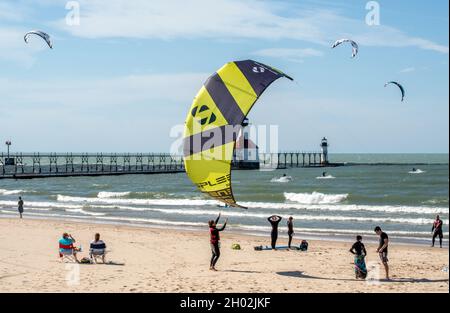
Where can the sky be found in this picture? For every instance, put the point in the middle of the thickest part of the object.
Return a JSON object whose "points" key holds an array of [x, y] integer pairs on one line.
{"points": [[124, 74]]}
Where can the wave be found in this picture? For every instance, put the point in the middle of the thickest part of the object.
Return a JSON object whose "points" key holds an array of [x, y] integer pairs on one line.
{"points": [[335, 231], [81, 211], [4, 192], [52, 205], [83, 203], [326, 177], [249, 214], [348, 208], [162, 222], [315, 198], [108, 195], [112, 218], [168, 202], [436, 201], [415, 221], [418, 171], [64, 200], [275, 206], [284, 179]]}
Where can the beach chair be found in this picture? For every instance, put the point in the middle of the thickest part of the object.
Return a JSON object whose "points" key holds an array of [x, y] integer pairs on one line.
{"points": [[97, 250], [67, 253]]}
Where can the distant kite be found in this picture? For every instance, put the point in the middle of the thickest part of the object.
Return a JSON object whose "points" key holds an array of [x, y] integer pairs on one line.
{"points": [[41, 34], [399, 86], [355, 47]]}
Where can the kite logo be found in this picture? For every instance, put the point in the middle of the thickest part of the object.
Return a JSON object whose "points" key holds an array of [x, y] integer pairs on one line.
{"points": [[259, 69], [204, 115]]}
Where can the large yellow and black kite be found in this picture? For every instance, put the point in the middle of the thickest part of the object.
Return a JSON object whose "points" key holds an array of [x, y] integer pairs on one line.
{"points": [[214, 121]]}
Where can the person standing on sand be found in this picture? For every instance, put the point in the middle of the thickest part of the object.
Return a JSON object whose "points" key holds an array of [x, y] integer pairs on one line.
{"points": [[274, 220], [215, 241], [290, 225], [20, 206], [383, 249], [359, 251], [437, 231]]}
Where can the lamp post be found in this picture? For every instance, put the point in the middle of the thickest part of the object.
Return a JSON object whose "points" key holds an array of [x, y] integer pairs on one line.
{"points": [[8, 144]]}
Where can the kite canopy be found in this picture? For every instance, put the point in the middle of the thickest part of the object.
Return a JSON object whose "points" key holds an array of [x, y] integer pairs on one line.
{"points": [[355, 47], [214, 122], [41, 34], [399, 86]]}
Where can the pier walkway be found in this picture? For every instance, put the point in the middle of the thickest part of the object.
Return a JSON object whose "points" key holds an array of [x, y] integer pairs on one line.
{"points": [[44, 165]]}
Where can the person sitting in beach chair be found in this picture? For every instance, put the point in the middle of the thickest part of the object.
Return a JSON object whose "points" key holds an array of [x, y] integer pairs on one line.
{"points": [[66, 248], [97, 249]]}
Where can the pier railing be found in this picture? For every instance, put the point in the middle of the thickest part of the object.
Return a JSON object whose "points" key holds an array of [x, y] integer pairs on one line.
{"points": [[39, 165], [35, 165]]}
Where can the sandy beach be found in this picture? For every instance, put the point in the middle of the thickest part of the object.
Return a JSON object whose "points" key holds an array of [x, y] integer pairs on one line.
{"points": [[162, 260]]}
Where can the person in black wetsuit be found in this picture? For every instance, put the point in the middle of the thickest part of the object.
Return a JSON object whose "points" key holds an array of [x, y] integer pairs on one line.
{"points": [[215, 241], [359, 251], [274, 220], [383, 249], [290, 225], [20, 207], [437, 230]]}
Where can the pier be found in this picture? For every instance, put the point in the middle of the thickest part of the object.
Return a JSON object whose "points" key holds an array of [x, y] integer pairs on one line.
{"points": [[44, 165]]}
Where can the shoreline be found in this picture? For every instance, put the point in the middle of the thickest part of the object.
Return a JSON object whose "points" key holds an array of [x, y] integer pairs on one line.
{"points": [[342, 238]]}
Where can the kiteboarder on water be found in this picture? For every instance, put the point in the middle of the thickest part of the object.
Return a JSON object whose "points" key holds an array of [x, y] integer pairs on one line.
{"points": [[274, 220], [215, 241]]}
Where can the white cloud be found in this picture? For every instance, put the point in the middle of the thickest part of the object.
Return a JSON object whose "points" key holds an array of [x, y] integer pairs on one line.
{"points": [[13, 47], [408, 70], [9, 12], [103, 92], [295, 55], [231, 19], [133, 113]]}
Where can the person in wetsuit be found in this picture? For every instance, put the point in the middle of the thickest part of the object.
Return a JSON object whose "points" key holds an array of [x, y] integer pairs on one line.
{"points": [[215, 241], [383, 249], [358, 247], [359, 251], [20, 207], [290, 225], [324, 174], [274, 220], [437, 230]]}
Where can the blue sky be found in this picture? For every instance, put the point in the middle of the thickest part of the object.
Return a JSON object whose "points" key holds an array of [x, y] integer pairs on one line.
{"points": [[127, 74]]}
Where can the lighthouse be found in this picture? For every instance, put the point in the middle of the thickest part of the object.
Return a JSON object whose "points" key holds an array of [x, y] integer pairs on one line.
{"points": [[324, 155], [246, 155]]}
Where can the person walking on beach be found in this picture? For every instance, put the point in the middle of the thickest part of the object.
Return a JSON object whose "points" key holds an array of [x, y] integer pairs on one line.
{"points": [[359, 251], [437, 231], [383, 249], [215, 241], [274, 220], [20, 206], [290, 225]]}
